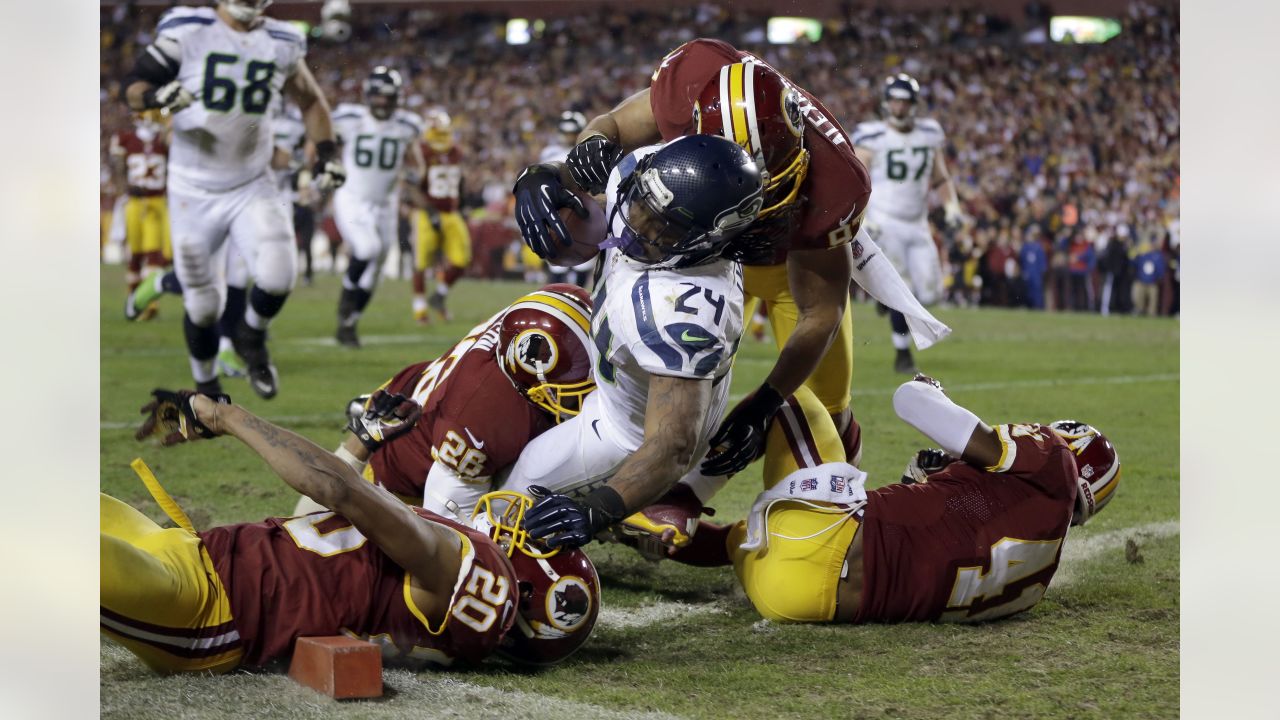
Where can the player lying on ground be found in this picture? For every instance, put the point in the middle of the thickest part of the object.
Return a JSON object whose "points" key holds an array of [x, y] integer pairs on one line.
{"points": [[974, 532], [512, 377], [427, 589]]}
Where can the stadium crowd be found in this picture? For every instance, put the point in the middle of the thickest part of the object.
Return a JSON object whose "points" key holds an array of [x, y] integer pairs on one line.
{"points": [[1066, 156]]}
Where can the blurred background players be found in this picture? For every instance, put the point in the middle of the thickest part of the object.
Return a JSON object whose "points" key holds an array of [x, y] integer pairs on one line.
{"points": [[376, 139], [441, 228], [140, 156], [217, 72], [292, 165], [906, 158], [571, 123]]}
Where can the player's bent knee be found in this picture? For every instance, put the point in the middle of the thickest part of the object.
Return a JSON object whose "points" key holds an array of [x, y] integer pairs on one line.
{"points": [[203, 304], [276, 270]]}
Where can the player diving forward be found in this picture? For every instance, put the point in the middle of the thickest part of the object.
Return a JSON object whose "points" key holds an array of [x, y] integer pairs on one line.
{"points": [[905, 156], [217, 72], [666, 323], [377, 137], [428, 590], [973, 533]]}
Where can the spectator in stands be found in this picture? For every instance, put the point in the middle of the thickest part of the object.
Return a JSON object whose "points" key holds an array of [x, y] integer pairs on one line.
{"points": [[1149, 268], [1033, 263], [1080, 261]]}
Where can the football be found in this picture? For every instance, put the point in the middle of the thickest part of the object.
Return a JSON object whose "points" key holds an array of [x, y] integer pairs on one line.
{"points": [[587, 233]]}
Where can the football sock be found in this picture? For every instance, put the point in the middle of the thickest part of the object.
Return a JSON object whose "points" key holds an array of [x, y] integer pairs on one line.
{"points": [[202, 347], [262, 307], [707, 548], [355, 269], [168, 282], [232, 311], [901, 333], [419, 282]]}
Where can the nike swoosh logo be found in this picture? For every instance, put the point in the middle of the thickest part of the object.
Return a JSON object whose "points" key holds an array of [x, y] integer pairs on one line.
{"points": [[595, 429], [685, 336], [845, 219], [476, 443]]}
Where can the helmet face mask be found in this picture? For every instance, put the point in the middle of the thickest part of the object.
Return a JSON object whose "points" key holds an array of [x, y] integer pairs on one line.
{"points": [[571, 123], [1098, 466], [439, 132], [900, 101], [245, 11], [558, 590], [686, 203], [542, 348], [382, 92]]}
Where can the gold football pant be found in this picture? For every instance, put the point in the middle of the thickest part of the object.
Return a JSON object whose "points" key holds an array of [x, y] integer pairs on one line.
{"points": [[796, 575], [832, 378], [160, 596], [146, 226], [453, 237]]}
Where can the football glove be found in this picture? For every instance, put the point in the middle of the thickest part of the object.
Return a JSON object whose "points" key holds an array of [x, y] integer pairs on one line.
{"points": [[170, 416], [169, 99], [559, 521], [386, 417], [921, 377], [327, 174], [955, 217], [741, 437], [925, 463], [591, 160], [539, 194]]}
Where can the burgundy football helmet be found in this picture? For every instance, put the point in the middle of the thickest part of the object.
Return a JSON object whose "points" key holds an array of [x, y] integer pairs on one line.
{"points": [[542, 348], [559, 592], [751, 104], [1098, 465]]}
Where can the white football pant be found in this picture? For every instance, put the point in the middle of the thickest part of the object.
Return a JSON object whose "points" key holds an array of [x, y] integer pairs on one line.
{"points": [[368, 229], [909, 246]]}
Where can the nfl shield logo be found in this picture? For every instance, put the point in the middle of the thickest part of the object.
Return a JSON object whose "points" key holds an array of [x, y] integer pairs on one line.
{"points": [[857, 249], [809, 484]]}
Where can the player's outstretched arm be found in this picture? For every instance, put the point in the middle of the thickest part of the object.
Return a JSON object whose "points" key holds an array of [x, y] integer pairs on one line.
{"points": [[923, 405], [819, 281], [427, 551]]}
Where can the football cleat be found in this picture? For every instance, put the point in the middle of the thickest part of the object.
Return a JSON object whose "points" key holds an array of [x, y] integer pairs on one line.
{"points": [[211, 388], [230, 365], [420, 316], [347, 337], [671, 520], [251, 344], [436, 302], [147, 292]]}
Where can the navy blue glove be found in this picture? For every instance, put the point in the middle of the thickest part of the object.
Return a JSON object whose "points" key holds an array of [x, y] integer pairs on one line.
{"points": [[590, 162], [559, 521], [740, 438], [539, 194]]}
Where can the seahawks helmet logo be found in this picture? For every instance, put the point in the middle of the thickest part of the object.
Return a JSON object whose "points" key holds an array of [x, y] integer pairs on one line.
{"points": [[568, 603]]}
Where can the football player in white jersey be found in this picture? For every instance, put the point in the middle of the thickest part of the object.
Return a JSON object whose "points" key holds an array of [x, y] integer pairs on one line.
{"points": [[905, 155], [376, 138], [570, 124], [217, 72], [666, 322]]}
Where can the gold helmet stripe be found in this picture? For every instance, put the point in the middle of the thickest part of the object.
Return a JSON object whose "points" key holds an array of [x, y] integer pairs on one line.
{"points": [[738, 108], [561, 310], [749, 90], [573, 310]]}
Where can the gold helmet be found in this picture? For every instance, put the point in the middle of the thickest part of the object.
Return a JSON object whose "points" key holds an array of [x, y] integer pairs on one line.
{"points": [[439, 131]]}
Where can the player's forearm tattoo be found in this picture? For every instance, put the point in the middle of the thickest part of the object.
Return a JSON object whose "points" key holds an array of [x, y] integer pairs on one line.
{"points": [[676, 409]]}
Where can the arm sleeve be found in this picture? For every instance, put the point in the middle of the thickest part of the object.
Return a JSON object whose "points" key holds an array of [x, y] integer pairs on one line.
{"points": [[446, 493]]}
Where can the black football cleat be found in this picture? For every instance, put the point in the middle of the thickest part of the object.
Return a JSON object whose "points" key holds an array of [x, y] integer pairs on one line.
{"points": [[211, 388], [347, 337], [251, 345], [904, 363]]}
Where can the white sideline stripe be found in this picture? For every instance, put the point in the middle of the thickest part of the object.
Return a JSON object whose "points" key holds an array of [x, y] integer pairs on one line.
{"points": [[336, 416], [462, 696], [653, 613], [1080, 550]]}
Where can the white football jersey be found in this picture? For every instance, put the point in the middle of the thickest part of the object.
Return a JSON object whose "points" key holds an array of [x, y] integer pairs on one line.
{"points": [[289, 133], [223, 139], [373, 150], [902, 166], [682, 323]]}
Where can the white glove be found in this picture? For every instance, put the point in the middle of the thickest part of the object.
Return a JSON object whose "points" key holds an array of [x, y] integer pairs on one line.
{"points": [[329, 175], [954, 215], [173, 98]]}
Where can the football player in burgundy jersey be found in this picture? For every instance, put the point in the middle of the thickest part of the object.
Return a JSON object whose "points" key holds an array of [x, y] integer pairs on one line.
{"points": [[974, 531], [139, 156], [441, 227], [429, 590], [510, 379], [804, 252]]}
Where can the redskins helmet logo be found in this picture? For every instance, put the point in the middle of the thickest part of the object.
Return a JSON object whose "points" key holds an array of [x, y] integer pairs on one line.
{"points": [[791, 111], [568, 603], [533, 351]]}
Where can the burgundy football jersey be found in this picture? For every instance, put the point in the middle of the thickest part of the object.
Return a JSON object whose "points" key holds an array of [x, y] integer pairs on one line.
{"points": [[835, 192], [442, 183], [146, 162], [473, 418], [318, 575], [970, 545]]}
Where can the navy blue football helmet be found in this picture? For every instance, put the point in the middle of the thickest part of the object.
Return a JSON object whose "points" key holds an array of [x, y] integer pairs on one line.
{"points": [[687, 202], [900, 87], [382, 91]]}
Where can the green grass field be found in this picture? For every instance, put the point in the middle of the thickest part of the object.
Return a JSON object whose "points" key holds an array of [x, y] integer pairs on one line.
{"points": [[683, 642]]}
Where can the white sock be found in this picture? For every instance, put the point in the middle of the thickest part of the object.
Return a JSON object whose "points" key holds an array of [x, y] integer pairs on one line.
{"points": [[203, 370], [925, 408], [419, 303], [254, 320], [224, 344], [442, 289], [901, 342]]}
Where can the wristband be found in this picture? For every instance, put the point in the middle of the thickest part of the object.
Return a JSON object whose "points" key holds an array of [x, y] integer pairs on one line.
{"points": [[349, 458], [767, 396], [325, 150], [607, 507], [149, 101]]}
